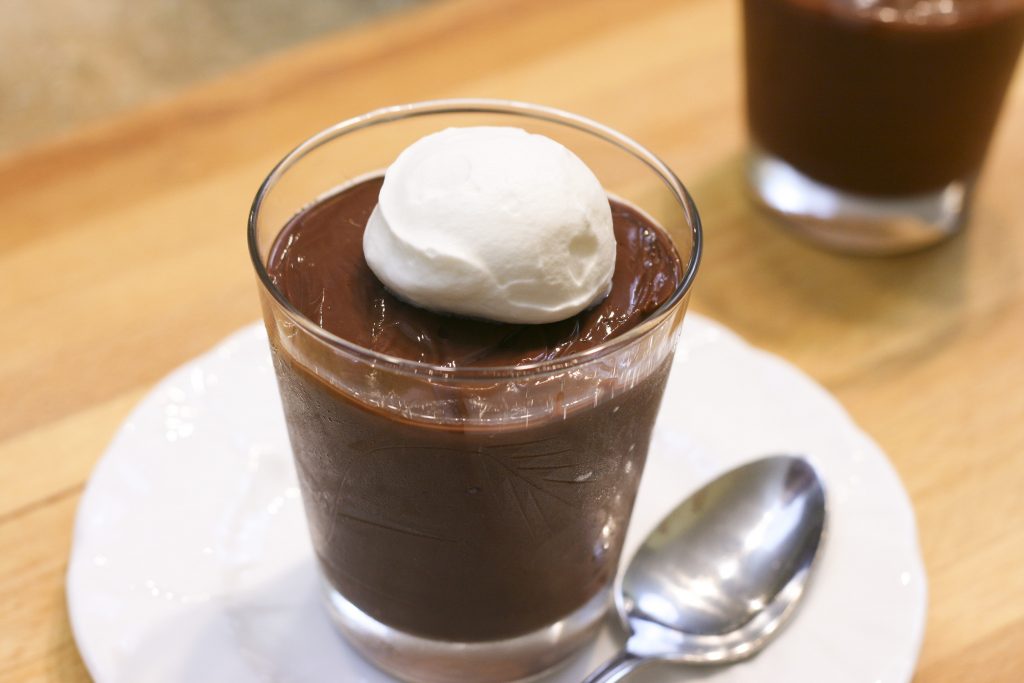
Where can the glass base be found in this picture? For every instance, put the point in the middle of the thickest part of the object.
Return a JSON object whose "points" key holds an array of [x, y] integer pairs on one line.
{"points": [[422, 660], [855, 223]]}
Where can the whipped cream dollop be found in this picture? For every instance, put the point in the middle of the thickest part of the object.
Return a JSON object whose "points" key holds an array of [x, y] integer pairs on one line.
{"points": [[494, 223]]}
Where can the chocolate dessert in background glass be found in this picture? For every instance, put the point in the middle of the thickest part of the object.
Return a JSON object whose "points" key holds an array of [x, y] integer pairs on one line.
{"points": [[467, 482], [870, 119]]}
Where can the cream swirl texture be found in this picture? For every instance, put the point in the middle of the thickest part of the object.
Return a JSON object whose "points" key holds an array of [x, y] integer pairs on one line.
{"points": [[494, 223]]}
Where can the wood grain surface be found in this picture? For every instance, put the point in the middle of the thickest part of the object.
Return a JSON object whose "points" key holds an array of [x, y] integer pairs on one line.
{"points": [[122, 255]]}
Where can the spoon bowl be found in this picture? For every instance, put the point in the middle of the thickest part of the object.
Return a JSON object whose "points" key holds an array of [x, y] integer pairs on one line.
{"points": [[723, 572]]}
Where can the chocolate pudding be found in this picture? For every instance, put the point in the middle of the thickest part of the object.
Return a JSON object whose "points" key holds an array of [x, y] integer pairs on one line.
{"points": [[442, 528], [886, 98]]}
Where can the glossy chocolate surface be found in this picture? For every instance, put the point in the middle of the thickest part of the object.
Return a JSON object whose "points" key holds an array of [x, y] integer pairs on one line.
{"points": [[317, 263]]}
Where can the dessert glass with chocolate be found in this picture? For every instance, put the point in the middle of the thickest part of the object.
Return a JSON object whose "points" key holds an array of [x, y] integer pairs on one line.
{"points": [[870, 119], [467, 483]]}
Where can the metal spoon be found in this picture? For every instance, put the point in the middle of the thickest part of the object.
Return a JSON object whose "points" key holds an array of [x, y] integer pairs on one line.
{"points": [[723, 571]]}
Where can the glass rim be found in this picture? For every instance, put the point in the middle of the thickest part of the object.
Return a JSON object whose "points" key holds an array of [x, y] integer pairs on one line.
{"points": [[480, 106]]}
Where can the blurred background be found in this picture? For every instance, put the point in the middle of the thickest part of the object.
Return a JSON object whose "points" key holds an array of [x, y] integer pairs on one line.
{"points": [[64, 63]]}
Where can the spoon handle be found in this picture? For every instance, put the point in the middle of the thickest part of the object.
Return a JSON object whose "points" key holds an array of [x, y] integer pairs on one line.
{"points": [[616, 668]]}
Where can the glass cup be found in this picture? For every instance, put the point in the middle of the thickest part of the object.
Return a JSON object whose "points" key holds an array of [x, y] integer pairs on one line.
{"points": [[870, 119], [468, 522]]}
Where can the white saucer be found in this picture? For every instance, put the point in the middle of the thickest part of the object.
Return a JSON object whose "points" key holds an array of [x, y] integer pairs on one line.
{"points": [[191, 561]]}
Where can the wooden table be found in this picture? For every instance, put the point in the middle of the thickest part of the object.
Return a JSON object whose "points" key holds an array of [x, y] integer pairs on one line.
{"points": [[122, 255]]}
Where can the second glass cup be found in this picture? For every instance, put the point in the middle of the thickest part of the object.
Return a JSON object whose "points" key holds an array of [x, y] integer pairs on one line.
{"points": [[468, 521], [870, 119]]}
